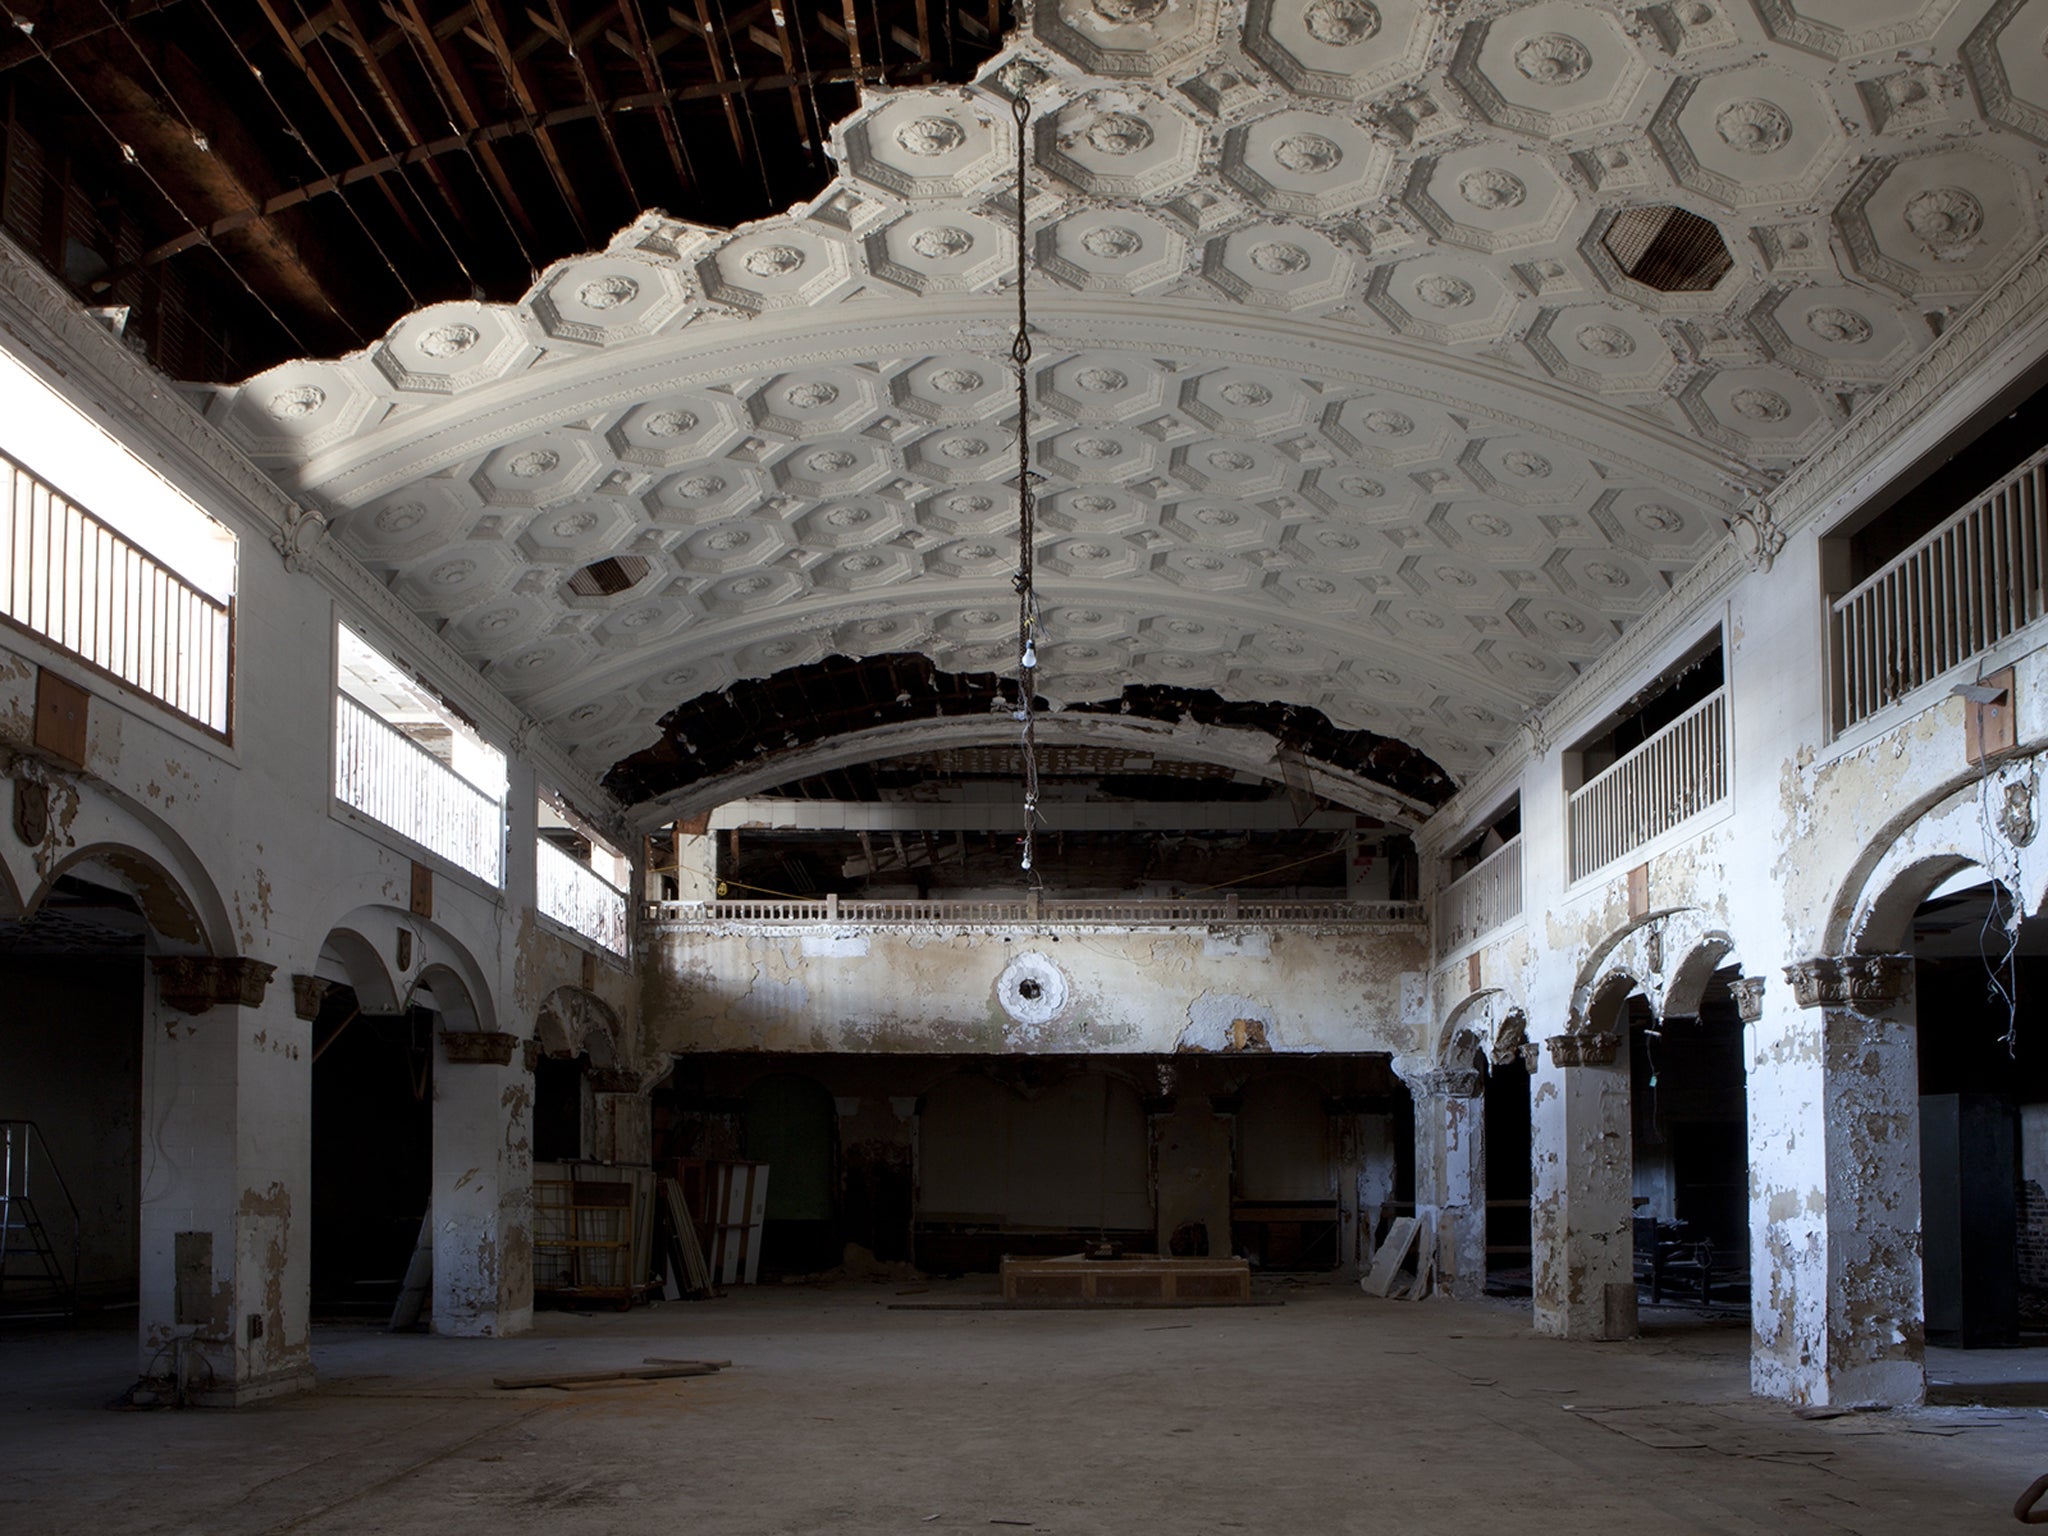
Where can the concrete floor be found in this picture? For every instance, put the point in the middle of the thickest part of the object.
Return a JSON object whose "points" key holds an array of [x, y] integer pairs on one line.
{"points": [[1331, 1412]]}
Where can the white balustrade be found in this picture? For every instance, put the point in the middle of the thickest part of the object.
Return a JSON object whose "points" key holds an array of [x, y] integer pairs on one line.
{"points": [[1669, 779], [391, 778], [579, 898], [1028, 911], [1958, 592], [68, 577], [1480, 900]]}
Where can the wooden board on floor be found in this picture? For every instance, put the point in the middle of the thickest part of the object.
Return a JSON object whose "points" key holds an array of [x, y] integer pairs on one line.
{"points": [[590, 1378], [1150, 1280]]}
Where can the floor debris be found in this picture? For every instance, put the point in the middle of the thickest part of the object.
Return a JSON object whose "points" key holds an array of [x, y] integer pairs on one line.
{"points": [[572, 1380]]}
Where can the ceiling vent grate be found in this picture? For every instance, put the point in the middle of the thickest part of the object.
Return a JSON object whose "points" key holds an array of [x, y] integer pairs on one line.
{"points": [[610, 576], [1668, 249]]}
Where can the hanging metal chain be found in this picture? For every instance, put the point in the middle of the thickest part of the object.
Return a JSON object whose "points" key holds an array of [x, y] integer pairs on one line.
{"points": [[1027, 595]]}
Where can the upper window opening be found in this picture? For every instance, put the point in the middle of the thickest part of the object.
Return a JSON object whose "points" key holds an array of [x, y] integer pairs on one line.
{"points": [[1662, 702], [1488, 840], [405, 758], [102, 558], [1668, 249], [1656, 763], [580, 880]]}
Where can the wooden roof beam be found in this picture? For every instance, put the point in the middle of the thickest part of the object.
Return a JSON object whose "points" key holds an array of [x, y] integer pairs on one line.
{"points": [[593, 93], [701, 25], [461, 98], [490, 15], [394, 103], [641, 48], [332, 106]]}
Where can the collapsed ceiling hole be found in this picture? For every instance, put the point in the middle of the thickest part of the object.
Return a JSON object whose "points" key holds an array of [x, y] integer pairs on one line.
{"points": [[748, 723], [610, 576], [1668, 249]]}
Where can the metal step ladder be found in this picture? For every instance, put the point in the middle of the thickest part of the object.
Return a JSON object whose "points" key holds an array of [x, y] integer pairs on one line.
{"points": [[33, 1281]]}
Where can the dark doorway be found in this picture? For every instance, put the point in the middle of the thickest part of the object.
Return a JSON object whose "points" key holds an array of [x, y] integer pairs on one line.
{"points": [[561, 1108], [372, 1134], [792, 1125], [1508, 1178], [71, 1099], [1689, 1098]]}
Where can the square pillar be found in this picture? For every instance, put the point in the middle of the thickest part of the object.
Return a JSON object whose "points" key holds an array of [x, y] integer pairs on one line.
{"points": [[1450, 1175], [1837, 1312], [226, 1257], [1583, 1235], [622, 1117], [482, 1200]]}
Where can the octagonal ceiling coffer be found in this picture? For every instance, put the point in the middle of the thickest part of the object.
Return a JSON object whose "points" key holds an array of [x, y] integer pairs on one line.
{"points": [[610, 576], [1668, 249]]}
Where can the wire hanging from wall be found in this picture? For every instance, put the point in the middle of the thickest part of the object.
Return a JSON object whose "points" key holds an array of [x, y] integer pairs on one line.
{"points": [[1998, 936], [1027, 595]]}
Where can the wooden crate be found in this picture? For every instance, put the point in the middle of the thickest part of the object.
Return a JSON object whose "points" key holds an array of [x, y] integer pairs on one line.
{"points": [[1143, 1281]]}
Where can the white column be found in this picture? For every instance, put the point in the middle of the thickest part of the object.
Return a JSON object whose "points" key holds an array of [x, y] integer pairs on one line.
{"points": [[696, 866], [1583, 1240], [1836, 1308], [482, 1209], [1450, 1175], [226, 1178]]}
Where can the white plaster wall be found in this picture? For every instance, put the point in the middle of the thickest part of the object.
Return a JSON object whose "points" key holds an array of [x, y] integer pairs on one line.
{"points": [[889, 989], [269, 866]]}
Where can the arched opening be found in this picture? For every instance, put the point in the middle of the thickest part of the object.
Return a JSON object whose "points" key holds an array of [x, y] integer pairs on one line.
{"points": [[576, 1034], [74, 975], [1509, 1179], [1982, 1079], [372, 1126], [792, 1125], [1689, 1122]]}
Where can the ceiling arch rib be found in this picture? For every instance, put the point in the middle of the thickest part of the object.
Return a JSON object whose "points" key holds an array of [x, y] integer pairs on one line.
{"points": [[1352, 391], [763, 734]]}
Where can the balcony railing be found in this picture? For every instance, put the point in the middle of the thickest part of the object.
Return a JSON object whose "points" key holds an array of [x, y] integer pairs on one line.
{"points": [[1951, 597], [68, 577], [1480, 900], [1030, 910], [391, 778], [1669, 779], [579, 898]]}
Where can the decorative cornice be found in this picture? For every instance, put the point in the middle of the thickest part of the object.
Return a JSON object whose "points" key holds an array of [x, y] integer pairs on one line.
{"points": [[1584, 1050], [1511, 1043], [47, 323], [476, 1047], [1850, 981], [1749, 997], [195, 983], [1447, 1083], [308, 993], [1757, 538]]}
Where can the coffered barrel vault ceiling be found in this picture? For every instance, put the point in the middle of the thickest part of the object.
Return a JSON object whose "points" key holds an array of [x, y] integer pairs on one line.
{"points": [[1344, 392]]}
